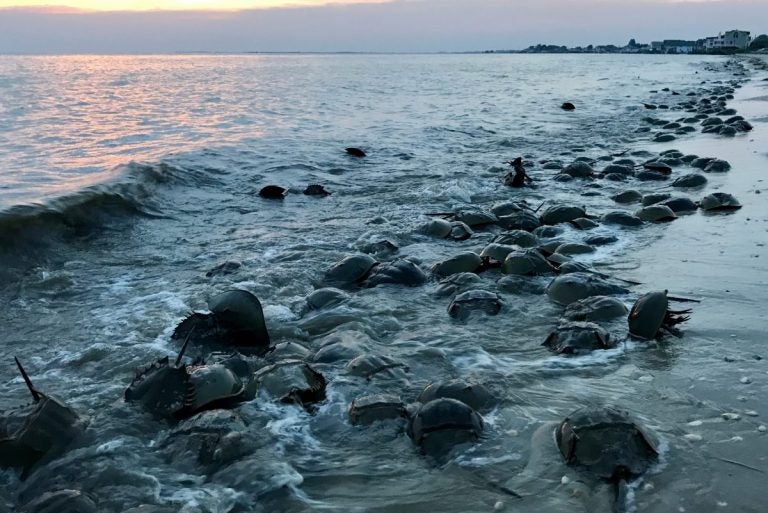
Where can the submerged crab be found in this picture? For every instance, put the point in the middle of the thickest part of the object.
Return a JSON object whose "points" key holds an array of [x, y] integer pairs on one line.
{"points": [[40, 429], [650, 314], [441, 424]]}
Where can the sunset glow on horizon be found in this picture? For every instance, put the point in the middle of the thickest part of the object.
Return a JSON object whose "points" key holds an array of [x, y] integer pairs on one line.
{"points": [[168, 5]]}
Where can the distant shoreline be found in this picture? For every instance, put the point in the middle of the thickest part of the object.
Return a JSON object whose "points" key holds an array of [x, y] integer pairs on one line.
{"points": [[468, 52]]}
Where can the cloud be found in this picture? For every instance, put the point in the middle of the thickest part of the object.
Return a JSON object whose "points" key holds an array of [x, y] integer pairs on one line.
{"points": [[402, 25]]}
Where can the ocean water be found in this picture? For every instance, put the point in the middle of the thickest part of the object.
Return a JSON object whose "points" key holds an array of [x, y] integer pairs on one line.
{"points": [[125, 179]]}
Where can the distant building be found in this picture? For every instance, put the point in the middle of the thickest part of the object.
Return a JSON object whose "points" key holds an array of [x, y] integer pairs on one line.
{"points": [[738, 39], [673, 46]]}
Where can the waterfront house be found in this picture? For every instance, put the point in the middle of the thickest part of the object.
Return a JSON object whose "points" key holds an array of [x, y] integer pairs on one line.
{"points": [[738, 39]]}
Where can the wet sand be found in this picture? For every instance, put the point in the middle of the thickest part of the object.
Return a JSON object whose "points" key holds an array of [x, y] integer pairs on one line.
{"points": [[721, 363]]}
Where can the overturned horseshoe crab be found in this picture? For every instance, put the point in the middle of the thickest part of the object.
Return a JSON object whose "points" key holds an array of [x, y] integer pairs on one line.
{"points": [[44, 428], [650, 314], [608, 443], [235, 319], [578, 337], [439, 425]]}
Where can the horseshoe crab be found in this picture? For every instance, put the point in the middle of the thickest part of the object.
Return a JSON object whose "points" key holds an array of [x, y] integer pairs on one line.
{"points": [[483, 301], [656, 214], [439, 228], [399, 272], [650, 314], [367, 366], [325, 297], [235, 319], [289, 381], [621, 218], [355, 152], [179, 391], [371, 408], [583, 223], [717, 166], [658, 167], [719, 201], [273, 192], [509, 207], [214, 437], [557, 214], [456, 283], [656, 197], [574, 248], [350, 271], [516, 238], [526, 263], [579, 169], [471, 393], [288, 351], [465, 262], [439, 425], [577, 337], [631, 196], [474, 217], [595, 308], [316, 190], [567, 288], [607, 443], [521, 220], [497, 252], [61, 501], [690, 180], [678, 205], [41, 429], [460, 231]]}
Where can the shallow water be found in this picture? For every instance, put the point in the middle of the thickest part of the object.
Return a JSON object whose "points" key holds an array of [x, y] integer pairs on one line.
{"points": [[127, 178]]}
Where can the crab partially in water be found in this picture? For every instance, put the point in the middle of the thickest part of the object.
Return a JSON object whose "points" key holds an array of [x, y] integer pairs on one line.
{"points": [[177, 391], [235, 319], [441, 424], [41, 429], [650, 316], [609, 444]]}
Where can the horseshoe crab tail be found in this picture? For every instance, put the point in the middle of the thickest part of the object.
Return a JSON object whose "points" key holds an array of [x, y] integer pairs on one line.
{"points": [[621, 502], [683, 299], [184, 346], [30, 386]]}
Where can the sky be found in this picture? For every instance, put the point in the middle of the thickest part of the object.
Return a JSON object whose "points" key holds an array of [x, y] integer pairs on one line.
{"points": [[160, 26]]}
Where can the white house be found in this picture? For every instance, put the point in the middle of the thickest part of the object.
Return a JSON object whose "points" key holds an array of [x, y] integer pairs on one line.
{"points": [[731, 39]]}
